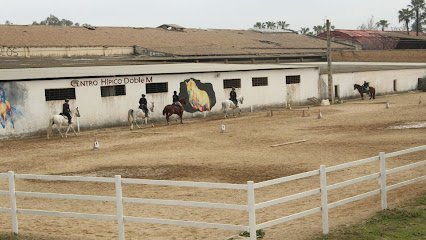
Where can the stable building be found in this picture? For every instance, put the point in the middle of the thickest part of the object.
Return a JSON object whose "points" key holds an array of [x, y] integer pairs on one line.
{"points": [[104, 94]]}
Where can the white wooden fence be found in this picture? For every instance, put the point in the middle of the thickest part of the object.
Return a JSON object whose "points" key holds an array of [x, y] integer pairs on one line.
{"points": [[250, 187]]}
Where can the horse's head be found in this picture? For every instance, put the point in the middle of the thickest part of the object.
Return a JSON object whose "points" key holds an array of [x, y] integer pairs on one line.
{"points": [[356, 86], [75, 112], [241, 99]]}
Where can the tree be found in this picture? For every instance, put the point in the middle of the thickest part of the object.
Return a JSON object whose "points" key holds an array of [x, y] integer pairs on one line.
{"points": [[405, 15], [258, 25], [270, 25], [283, 24], [304, 30], [382, 24], [370, 25], [417, 6], [53, 20]]}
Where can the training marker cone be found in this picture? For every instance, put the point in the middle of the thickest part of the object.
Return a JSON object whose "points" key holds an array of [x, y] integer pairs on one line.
{"points": [[319, 114], [387, 105], [420, 100], [96, 145]]}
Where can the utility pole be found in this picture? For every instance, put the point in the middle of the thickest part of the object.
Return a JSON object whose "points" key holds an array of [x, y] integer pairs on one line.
{"points": [[329, 70]]}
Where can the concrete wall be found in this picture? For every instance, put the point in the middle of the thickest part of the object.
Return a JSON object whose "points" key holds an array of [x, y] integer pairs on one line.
{"points": [[32, 111], [382, 81]]}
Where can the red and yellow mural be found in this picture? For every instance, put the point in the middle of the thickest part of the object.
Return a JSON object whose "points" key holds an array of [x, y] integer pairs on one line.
{"points": [[201, 96]]}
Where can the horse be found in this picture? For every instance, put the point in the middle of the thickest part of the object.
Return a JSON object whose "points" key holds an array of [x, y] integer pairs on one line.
{"points": [[371, 91], [228, 104], [6, 114], [134, 115], [174, 109], [58, 121], [199, 99]]}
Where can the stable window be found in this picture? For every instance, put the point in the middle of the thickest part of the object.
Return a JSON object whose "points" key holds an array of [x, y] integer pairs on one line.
{"points": [[230, 83], [117, 90], [259, 81], [157, 87], [295, 79], [59, 94]]}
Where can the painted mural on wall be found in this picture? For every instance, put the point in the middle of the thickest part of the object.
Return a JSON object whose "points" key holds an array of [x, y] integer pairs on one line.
{"points": [[11, 94], [200, 96]]}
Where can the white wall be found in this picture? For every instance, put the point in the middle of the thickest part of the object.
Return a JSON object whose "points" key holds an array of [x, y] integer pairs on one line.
{"points": [[97, 111], [382, 81]]}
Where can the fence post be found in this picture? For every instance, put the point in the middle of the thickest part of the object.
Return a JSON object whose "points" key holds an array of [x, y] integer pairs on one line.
{"points": [[119, 207], [324, 199], [13, 208], [252, 210], [383, 192]]}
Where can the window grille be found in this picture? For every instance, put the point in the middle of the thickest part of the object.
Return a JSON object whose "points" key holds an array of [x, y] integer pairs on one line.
{"points": [[292, 79], [157, 87], [117, 90], [259, 81], [59, 94], [230, 83]]}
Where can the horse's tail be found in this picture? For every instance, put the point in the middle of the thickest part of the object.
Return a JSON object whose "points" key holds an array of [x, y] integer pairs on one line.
{"points": [[49, 127], [130, 115], [223, 106], [164, 111], [373, 92]]}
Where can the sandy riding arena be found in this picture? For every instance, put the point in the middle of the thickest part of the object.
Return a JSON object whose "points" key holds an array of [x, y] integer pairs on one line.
{"points": [[198, 151]]}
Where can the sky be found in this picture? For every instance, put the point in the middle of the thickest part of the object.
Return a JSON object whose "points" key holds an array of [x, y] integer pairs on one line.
{"points": [[218, 14]]}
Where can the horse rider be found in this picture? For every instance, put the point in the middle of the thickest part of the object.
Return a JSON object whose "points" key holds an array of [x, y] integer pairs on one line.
{"points": [[233, 97], [66, 111], [143, 104], [176, 100], [366, 86]]}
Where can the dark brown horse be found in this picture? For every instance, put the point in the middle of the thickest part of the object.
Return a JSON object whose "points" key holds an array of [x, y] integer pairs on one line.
{"points": [[371, 91], [174, 109]]}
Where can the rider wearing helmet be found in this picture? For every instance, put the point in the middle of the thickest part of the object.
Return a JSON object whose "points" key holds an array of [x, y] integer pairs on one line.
{"points": [[176, 100], [233, 96], [66, 110], [143, 104]]}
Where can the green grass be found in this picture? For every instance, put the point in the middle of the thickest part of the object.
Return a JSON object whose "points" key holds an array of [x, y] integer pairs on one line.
{"points": [[408, 223]]}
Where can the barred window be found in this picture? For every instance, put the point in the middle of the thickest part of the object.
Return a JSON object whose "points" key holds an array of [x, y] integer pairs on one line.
{"points": [[117, 90], [292, 79], [259, 81], [59, 94], [157, 87], [230, 83]]}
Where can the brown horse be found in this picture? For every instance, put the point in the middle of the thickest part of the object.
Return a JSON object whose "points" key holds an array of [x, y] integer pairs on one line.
{"points": [[371, 91], [174, 109]]}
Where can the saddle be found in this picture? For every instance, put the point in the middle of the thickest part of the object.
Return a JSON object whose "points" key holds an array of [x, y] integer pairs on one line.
{"points": [[63, 115]]}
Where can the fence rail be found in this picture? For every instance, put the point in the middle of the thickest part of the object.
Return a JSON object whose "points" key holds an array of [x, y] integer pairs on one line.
{"points": [[250, 207]]}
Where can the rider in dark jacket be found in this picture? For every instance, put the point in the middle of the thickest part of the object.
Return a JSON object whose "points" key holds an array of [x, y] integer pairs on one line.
{"points": [[143, 104], [366, 86], [66, 110], [233, 97], [176, 100]]}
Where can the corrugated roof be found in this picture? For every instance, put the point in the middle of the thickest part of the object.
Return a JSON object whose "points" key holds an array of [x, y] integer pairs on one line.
{"points": [[190, 42]]}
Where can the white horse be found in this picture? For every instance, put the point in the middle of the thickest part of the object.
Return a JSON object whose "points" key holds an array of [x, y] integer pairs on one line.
{"points": [[58, 121], [134, 115], [228, 104]]}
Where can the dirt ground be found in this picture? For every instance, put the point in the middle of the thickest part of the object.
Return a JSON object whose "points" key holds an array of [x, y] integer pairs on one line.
{"points": [[198, 151]]}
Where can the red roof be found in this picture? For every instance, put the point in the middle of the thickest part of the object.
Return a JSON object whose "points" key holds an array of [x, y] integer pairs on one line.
{"points": [[369, 40]]}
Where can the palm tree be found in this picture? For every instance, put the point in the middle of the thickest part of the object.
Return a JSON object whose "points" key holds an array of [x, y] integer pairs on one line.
{"points": [[304, 30], [270, 25], [383, 24], [417, 6], [258, 25], [283, 24], [406, 15]]}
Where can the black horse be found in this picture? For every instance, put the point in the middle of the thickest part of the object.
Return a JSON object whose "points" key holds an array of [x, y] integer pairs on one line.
{"points": [[371, 91]]}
